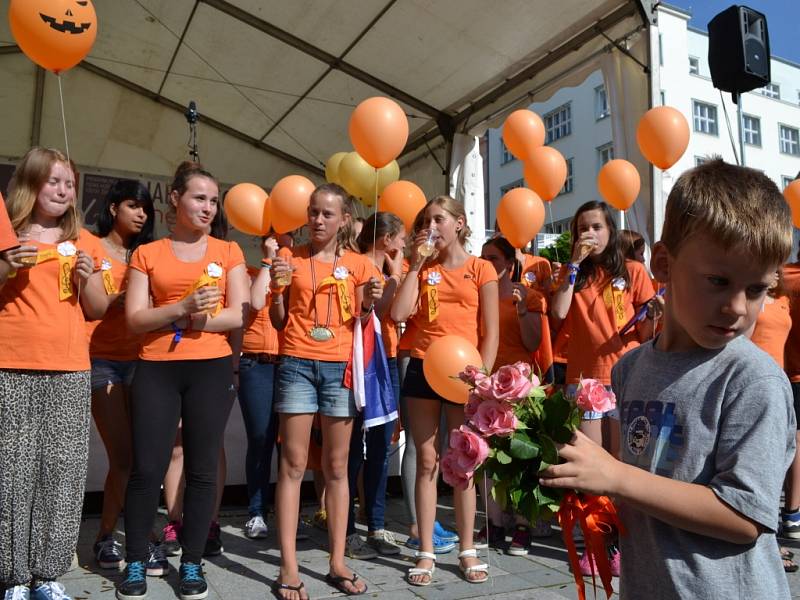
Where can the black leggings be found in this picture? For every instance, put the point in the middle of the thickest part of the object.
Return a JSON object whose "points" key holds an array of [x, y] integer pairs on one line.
{"points": [[164, 392]]}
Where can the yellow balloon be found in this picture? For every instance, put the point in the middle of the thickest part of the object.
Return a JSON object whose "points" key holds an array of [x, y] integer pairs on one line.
{"points": [[332, 168], [358, 177]]}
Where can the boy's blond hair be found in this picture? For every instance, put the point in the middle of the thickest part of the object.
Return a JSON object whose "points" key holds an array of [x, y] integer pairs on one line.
{"points": [[735, 206]]}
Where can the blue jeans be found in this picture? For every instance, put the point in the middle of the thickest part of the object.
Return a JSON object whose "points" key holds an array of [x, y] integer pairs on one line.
{"points": [[305, 386], [376, 464], [256, 384]]}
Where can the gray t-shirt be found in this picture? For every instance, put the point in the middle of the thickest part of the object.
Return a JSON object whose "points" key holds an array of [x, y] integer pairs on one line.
{"points": [[720, 418]]}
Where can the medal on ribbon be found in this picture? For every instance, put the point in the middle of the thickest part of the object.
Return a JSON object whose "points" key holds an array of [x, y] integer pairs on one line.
{"points": [[66, 252], [529, 278], [108, 277], [210, 276], [339, 281], [614, 298], [431, 292]]}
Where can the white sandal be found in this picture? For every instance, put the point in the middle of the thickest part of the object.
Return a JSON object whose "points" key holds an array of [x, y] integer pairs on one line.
{"points": [[467, 571], [417, 571]]}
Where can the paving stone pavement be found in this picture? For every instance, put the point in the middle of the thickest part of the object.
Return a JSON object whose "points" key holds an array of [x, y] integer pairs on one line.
{"points": [[248, 567]]}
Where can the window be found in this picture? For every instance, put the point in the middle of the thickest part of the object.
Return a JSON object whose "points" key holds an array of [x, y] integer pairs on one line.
{"points": [[790, 140], [771, 90], [660, 50], [558, 123], [505, 155], [663, 98], [752, 130], [786, 180], [558, 227], [568, 184], [694, 65], [600, 103], [705, 117], [510, 186], [699, 160], [605, 153]]}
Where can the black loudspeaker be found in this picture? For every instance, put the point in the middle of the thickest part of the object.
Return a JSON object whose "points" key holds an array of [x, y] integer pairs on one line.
{"points": [[738, 50]]}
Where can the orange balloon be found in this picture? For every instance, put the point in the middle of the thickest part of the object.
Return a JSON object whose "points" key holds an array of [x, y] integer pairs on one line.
{"points": [[403, 199], [619, 183], [792, 195], [444, 360], [663, 136], [523, 132], [378, 130], [520, 216], [289, 199], [55, 34], [545, 172], [247, 209]]}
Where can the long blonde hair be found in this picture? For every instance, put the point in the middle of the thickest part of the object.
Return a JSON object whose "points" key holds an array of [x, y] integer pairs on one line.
{"points": [[456, 210], [29, 177]]}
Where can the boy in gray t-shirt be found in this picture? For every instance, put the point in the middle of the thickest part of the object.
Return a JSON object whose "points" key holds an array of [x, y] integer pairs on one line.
{"points": [[707, 420]]}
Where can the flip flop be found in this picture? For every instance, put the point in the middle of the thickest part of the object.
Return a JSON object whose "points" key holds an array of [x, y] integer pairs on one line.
{"points": [[338, 582], [278, 586], [786, 554]]}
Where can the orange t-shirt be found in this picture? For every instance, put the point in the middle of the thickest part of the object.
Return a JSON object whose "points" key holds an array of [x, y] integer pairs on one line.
{"points": [[536, 271], [772, 328], [595, 344], [8, 239], [408, 338], [355, 271], [170, 279], [459, 311], [260, 337], [791, 282], [510, 347], [37, 330], [109, 338], [561, 343]]}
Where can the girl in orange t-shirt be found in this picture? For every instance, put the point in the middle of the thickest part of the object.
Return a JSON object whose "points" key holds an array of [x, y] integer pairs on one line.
{"points": [[600, 293], [126, 221], [185, 293], [467, 306], [44, 375], [316, 291]]}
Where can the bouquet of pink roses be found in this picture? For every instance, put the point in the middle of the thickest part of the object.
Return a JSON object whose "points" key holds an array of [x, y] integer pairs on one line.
{"points": [[512, 429]]}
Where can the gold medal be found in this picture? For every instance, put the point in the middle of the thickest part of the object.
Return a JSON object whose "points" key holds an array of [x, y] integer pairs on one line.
{"points": [[320, 334]]}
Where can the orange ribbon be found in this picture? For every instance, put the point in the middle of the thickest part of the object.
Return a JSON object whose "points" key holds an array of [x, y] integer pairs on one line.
{"points": [[597, 517]]}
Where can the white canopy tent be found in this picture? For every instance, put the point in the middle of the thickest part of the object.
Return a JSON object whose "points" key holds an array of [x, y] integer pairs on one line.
{"points": [[275, 83]]}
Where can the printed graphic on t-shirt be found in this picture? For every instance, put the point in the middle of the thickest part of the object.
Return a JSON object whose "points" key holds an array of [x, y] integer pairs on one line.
{"points": [[652, 437]]}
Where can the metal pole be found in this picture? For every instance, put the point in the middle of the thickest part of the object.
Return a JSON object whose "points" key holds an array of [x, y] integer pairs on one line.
{"points": [[740, 117]]}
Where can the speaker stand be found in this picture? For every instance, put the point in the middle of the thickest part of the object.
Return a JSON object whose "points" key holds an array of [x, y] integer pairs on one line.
{"points": [[737, 98]]}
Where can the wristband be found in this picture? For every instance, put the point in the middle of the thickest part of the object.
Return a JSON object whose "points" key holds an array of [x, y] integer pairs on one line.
{"points": [[266, 263], [178, 333], [573, 272], [276, 299]]}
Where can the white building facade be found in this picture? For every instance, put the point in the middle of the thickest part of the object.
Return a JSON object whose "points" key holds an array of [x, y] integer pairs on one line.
{"points": [[578, 125]]}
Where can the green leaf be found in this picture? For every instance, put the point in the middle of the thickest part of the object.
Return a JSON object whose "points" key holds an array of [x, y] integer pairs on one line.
{"points": [[500, 494], [523, 447], [562, 434], [503, 458], [543, 465], [547, 496], [515, 496], [549, 452]]}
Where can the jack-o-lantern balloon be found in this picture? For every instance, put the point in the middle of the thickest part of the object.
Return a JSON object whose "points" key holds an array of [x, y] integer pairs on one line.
{"points": [[55, 34]]}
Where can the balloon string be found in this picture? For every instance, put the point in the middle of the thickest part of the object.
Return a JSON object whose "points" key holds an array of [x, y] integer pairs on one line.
{"points": [[486, 523], [553, 227], [66, 148]]}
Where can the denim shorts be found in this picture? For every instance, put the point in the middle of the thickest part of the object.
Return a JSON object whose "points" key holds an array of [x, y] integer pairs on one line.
{"points": [[112, 372], [591, 415], [304, 385]]}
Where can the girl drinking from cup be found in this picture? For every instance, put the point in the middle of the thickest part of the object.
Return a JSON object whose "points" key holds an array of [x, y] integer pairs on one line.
{"points": [[316, 291], [453, 293]]}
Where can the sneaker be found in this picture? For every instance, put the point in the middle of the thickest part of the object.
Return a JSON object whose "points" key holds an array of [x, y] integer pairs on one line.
{"points": [[790, 524], [383, 542], [134, 586], [520, 541], [214, 541], [18, 592], [356, 548], [256, 528], [541, 529], [170, 538], [108, 552], [444, 534], [439, 545], [157, 565], [303, 532], [320, 519], [50, 590], [495, 537], [613, 560], [193, 585]]}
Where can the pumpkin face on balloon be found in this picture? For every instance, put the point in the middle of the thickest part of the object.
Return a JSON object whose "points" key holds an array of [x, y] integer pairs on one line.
{"points": [[55, 34]]}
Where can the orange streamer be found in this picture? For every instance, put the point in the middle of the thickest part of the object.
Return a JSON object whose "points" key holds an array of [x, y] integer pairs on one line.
{"points": [[597, 517]]}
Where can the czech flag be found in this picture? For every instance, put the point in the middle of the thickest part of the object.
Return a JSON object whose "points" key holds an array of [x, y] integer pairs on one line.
{"points": [[367, 374]]}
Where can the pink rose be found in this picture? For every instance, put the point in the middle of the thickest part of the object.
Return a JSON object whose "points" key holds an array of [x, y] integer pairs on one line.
{"points": [[593, 395], [509, 383], [452, 474], [494, 418], [471, 375], [469, 448], [523, 368], [471, 407]]}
